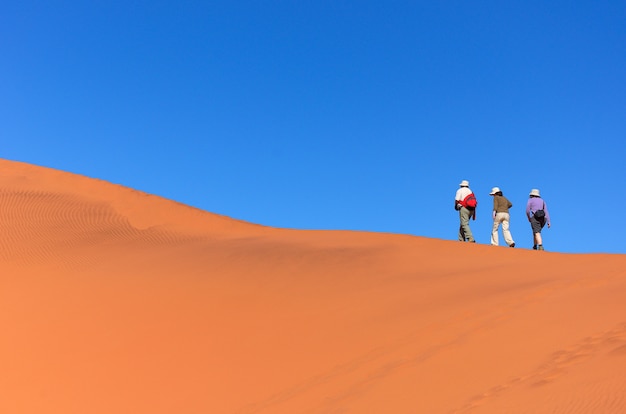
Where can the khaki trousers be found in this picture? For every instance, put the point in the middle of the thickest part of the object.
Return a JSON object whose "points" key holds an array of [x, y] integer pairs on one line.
{"points": [[501, 218], [465, 233]]}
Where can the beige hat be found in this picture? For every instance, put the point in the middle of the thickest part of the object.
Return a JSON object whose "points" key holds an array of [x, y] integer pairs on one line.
{"points": [[534, 192], [464, 183], [494, 190]]}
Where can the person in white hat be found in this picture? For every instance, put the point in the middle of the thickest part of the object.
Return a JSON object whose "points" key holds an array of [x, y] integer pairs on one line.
{"points": [[538, 216], [465, 203], [501, 206]]}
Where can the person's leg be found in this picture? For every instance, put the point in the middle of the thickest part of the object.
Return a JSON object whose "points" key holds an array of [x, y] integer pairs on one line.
{"points": [[539, 238], [461, 232], [536, 226], [465, 228], [505, 229], [494, 231]]}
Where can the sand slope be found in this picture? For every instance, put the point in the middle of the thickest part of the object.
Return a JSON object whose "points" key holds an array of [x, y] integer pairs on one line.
{"points": [[115, 301]]}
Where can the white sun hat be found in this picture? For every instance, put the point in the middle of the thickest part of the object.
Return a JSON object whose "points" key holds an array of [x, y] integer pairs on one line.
{"points": [[534, 192], [464, 183], [494, 190]]}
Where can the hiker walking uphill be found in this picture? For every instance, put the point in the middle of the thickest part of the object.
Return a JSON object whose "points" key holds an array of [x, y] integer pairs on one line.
{"points": [[465, 203], [538, 216], [501, 206]]}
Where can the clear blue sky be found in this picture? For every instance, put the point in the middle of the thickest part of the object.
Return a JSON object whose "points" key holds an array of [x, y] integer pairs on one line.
{"points": [[356, 115]]}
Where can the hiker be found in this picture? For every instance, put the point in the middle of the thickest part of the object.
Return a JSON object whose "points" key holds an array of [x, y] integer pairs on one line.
{"points": [[465, 203], [538, 216], [501, 206]]}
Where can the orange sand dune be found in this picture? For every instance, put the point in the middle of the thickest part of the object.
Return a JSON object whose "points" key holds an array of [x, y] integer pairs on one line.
{"points": [[115, 301]]}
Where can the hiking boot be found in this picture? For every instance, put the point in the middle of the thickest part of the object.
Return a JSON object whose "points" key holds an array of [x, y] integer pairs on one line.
{"points": [[540, 247], [534, 247], [512, 245]]}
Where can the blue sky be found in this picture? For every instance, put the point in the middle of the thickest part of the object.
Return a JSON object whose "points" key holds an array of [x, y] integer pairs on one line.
{"points": [[331, 114]]}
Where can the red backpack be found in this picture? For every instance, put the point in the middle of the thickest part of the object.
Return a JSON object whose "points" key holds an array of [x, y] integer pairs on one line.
{"points": [[470, 201]]}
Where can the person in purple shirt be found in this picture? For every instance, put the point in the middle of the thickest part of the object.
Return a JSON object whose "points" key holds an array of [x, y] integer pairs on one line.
{"points": [[538, 216]]}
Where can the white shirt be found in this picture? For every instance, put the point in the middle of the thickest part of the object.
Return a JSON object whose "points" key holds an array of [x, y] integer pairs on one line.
{"points": [[462, 192]]}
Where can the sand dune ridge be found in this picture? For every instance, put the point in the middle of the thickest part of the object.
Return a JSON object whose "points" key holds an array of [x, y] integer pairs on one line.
{"points": [[114, 300]]}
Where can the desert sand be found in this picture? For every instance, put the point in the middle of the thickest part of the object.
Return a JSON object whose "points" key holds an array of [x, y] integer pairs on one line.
{"points": [[117, 301]]}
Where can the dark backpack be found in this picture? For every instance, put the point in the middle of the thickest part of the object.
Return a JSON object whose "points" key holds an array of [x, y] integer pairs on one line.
{"points": [[470, 201]]}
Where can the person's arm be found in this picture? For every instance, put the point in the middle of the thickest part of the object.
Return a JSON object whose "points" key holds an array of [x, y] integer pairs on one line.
{"points": [[528, 209], [545, 208], [458, 198]]}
